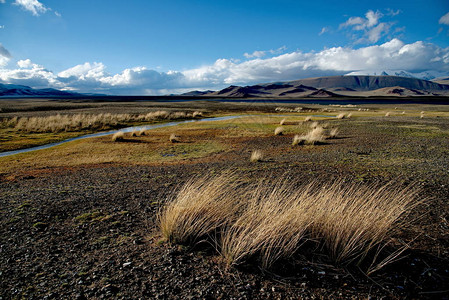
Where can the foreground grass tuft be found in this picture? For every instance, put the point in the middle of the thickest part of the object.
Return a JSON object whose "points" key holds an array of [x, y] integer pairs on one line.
{"points": [[202, 207], [271, 221]]}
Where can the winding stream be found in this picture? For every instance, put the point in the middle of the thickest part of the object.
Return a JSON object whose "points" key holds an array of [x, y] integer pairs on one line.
{"points": [[127, 129]]}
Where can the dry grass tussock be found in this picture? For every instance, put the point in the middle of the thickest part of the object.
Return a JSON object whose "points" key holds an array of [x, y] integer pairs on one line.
{"points": [[282, 122], [272, 220], [308, 119], [256, 156], [174, 138], [202, 207], [387, 114], [315, 136], [118, 136], [279, 130], [341, 116], [76, 122]]}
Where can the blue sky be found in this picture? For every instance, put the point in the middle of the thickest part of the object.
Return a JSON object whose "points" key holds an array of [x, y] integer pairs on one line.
{"points": [[157, 47]]}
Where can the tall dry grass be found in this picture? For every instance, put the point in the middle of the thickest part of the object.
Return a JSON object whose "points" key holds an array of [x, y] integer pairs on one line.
{"points": [[315, 136], [174, 138], [256, 155], [202, 207], [118, 136], [77, 122], [273, 220], [279, 130]]}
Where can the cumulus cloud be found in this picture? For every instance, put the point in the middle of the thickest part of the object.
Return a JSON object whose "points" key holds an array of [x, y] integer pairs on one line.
{"points": [[94, 77], [371, 29], [2, 1], [33, 6], [444, 19], [255, 54]]}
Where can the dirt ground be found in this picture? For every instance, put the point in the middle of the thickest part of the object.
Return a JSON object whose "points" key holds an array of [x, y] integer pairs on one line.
{"points": [[87, 230]]}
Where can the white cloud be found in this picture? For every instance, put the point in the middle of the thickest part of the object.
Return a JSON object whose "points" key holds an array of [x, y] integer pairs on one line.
{"points": [[2, 1], [259, 54], [5, 56], [25, 63], [93, 77], [444, 19], [324, 30], [255, 54], [34, 6], [370, 27], [392, 12]]}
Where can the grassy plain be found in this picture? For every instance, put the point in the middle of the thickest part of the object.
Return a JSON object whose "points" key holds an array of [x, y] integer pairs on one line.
{"points": [[84, 210]]}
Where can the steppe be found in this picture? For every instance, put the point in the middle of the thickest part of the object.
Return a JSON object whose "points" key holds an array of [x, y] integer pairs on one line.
{"points": [[80, 220]]}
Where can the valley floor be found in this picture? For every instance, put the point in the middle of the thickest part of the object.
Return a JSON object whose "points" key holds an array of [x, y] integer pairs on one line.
{"points": [[78, 221]]}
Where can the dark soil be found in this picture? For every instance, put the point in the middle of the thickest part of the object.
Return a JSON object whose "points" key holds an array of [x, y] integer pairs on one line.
{"points": [[90, 232]]}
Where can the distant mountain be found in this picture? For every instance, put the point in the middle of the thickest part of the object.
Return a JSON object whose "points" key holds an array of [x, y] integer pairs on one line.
{"points": [[426, 75], [197, 93], [23, 90], [369, 83], [337, 86]]}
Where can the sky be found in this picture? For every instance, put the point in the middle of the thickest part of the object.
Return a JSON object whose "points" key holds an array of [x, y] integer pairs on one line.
{"points": [[146, 47]]}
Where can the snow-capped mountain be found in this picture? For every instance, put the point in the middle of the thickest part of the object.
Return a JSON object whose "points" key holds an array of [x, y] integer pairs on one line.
{"points": [[426, 75]]}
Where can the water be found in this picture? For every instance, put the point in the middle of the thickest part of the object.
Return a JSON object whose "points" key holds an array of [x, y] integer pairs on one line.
{"points": [[128, 129]]}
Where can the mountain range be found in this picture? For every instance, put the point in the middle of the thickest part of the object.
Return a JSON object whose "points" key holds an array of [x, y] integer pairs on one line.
{"points": [[14, 90], [335, 86], [320, 87]]}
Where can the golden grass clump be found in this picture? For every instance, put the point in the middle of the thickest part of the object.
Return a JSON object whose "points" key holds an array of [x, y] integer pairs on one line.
{"points": [[333, 133], [272, 225], [174, 138], [343, 221], [341, 116], [279, 130], [197, 114], [256, 155], [349, 116], [308, 119], [315, 136], [142, 132], [118, 136], [282, 122], [314, 125], [387, 114], [202, 207], [298, 140]]}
